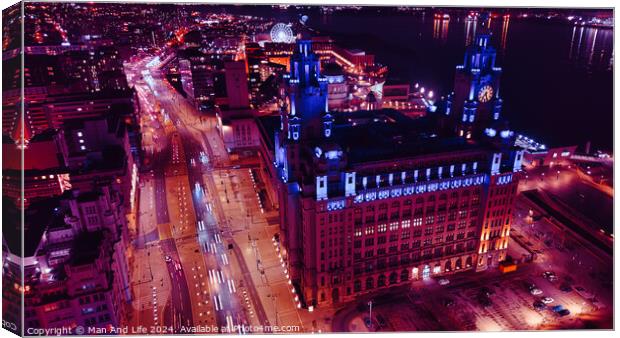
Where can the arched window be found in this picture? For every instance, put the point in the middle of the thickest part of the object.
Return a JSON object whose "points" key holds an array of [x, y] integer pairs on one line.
{"points": [[381, 281], [369, 283], [468, 262], [357, 285], [458, 265], [448, 266], [393, 278], [404, 275]]}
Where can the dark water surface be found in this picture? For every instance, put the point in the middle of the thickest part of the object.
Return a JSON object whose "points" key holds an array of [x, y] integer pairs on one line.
{"points": [[557, 81]]}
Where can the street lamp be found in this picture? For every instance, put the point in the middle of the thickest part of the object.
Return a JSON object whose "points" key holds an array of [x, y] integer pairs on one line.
{"points": [[370, 314]]}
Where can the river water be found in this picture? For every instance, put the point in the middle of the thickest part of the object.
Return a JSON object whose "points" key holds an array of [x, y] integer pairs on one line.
{"points": [[557, 81]]}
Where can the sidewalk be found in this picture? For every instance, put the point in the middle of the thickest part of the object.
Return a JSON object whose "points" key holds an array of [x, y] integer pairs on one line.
{"points": [[148, 272]]}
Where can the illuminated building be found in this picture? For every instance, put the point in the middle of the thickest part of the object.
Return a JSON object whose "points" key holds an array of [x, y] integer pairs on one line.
{"points": [[337, 88], [373, 199], [44, 173], [70, 277], [475, 104], [235, 117]]}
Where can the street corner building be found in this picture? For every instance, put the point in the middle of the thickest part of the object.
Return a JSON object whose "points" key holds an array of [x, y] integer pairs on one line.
{"points": [[373, 199]]}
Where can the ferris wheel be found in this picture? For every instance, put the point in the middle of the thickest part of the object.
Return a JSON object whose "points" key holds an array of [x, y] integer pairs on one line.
{"points": [[281, 32]]}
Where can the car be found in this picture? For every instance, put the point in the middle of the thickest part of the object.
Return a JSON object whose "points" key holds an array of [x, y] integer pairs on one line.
{"points": [[565, 287], [487, 291], [368, 323], [563, 313], [168, 258], [443, 281], [547, 300], [529, 285], [583, 292], [381, 321], [538, 305], [536, 291], [557, 308], [448, 302], [550, 276]]}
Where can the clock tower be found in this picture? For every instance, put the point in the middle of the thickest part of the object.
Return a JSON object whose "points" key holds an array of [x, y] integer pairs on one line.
{"points": [[475, 103]]}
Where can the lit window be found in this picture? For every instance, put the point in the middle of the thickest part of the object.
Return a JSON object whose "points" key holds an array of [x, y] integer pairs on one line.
{"points": [[382, 228], [79, 133], [81, 141], [82, 147], [406, 224]]}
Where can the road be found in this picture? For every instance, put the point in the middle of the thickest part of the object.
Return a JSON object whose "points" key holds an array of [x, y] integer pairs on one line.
{"points": [[203, 151]]}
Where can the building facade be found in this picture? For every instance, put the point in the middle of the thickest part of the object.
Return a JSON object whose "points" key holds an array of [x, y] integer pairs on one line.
{"points": [[383, 200]]}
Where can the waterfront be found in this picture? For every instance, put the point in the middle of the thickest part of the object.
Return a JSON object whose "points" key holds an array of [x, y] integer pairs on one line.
{"points": [[560, 75]]}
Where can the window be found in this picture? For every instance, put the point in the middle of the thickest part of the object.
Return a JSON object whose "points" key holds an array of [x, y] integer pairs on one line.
{"points": [[430, 219], [405, 224], [370, 230], [394, 226], [358, 232], [405, 235], [417, 221], [382, 228]]}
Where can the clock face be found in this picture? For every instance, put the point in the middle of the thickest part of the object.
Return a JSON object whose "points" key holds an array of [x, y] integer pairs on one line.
{"points": [[485, 94]]}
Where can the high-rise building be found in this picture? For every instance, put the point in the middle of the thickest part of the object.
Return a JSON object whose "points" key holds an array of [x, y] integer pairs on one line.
{"points": [[373, 199]]}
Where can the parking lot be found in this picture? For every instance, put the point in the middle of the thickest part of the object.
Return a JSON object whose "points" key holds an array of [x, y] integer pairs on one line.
{"points": [[487, 301]]}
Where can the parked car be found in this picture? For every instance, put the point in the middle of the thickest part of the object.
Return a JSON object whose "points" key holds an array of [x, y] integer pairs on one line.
{"points": [[369, 324], [538, 305], [565, 287], [557, 308], [443, 281], [448, 302], [536, 291], [550, 276], [487, 291], [381, 321], [547, 300], [168, 258], [563, 313], [484, 301]]}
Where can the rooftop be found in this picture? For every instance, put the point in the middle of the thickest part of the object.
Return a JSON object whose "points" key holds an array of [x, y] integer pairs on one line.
{"points": [[368, 136]]}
